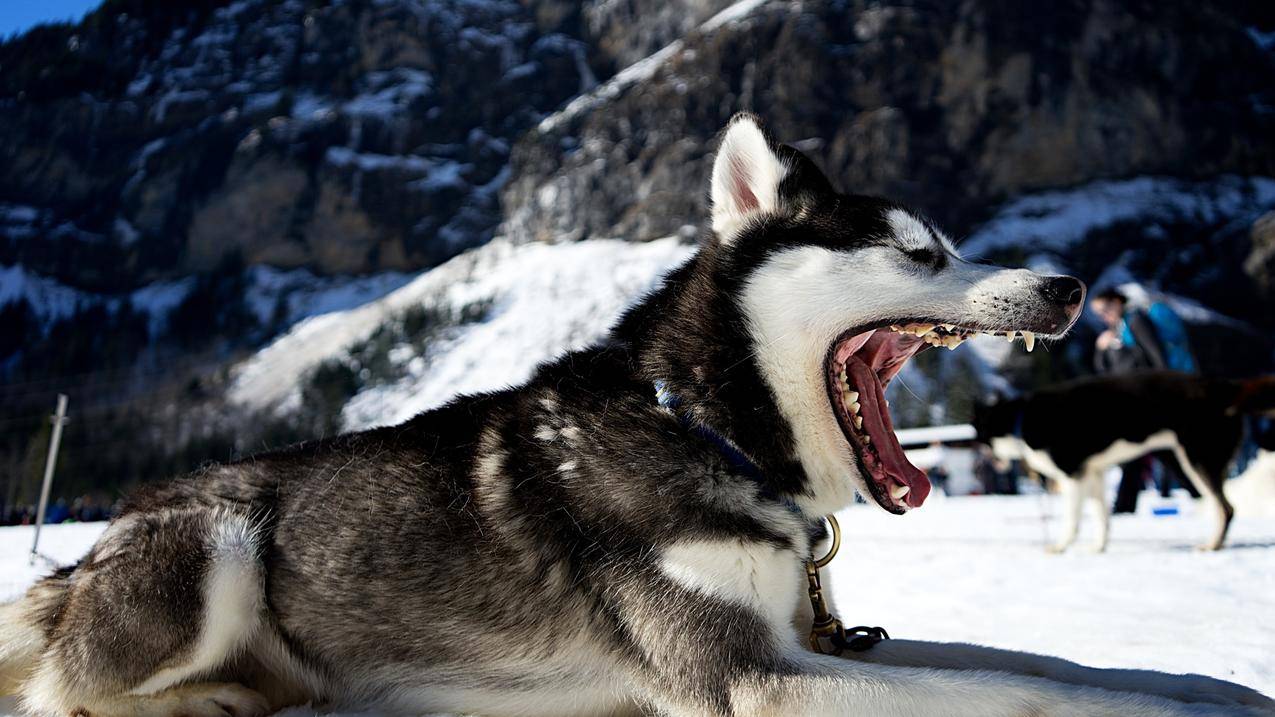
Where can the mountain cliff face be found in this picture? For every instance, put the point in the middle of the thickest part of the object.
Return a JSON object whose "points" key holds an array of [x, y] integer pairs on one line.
{"points": [[951, 107], [345, 138]]}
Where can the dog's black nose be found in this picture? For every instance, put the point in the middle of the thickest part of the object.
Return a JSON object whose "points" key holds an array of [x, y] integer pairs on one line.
{"points": [[1065, 291]]}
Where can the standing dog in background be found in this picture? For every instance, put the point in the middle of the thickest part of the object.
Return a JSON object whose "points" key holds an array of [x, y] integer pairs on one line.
{"points": [[578, 545], [1073, 432]]}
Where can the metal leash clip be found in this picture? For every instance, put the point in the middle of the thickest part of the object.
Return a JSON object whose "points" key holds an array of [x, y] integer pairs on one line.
{"points": [[825, 627]]}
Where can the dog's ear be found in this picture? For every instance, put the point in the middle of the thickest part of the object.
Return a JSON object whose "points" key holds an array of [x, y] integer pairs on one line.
{"points": [[746, 176]]}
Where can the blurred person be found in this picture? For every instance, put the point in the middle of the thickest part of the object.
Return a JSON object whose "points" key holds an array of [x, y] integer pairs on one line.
{"points": [[57, 513], [1140, 340], [1137, 339], [938, 473]]}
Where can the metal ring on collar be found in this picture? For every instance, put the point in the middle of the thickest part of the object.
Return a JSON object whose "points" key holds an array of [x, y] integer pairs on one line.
{"points": [[836, 542]]}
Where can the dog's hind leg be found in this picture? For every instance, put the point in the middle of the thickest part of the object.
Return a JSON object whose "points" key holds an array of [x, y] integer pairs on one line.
{"points": [[1094, 488], [159, 609], [1209, 484], [1073, 494]]}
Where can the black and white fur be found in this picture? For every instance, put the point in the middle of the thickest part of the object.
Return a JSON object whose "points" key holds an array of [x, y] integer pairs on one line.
{"points": [[1073, 432], [569, 547]]}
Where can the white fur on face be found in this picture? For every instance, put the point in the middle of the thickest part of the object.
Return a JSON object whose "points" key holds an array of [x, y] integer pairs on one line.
{"points": [[911, 233], [803, 298], [746, 177]]}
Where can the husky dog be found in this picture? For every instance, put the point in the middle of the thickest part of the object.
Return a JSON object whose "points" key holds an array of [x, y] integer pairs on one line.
{"points": [[578, 545], [1073, 432]]}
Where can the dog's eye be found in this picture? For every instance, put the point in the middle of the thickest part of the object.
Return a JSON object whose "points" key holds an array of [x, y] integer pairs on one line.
{"points": [[930, 258]]}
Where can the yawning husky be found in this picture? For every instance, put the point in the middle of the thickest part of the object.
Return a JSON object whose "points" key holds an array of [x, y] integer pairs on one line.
{"points": [[625, 533], [1073, 432]]}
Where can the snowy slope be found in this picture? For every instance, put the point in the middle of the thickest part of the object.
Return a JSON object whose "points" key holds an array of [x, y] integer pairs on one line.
{"points": [[973, 569], [1056, 221], [545, 299]]}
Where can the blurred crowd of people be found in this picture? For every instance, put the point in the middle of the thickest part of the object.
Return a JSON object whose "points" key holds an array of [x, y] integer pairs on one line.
{"points": [[84, 509]]}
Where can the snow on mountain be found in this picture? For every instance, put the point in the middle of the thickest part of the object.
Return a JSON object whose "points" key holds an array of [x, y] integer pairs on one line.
{"points": [[1055, 221], [642, 69], [299, 292], [543, 300]]}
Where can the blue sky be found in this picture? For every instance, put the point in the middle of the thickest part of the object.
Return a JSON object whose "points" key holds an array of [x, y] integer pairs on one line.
{"points": [[19, 15]]}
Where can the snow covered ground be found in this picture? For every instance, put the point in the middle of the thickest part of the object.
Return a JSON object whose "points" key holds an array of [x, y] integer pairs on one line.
{"points": [[974, 569]]}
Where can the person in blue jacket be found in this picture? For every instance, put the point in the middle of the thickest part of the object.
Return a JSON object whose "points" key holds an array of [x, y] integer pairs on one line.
{"points": [[1141, 340]]}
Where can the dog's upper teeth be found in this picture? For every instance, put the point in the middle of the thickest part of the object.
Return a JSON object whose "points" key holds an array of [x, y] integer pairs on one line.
{"points": [[949, 327], [922, 329], [899, 490], [1029, 339], [1009, 336]]}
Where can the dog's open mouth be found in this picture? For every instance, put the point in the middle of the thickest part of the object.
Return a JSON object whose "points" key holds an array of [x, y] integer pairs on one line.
{"points": [[859, 367]]}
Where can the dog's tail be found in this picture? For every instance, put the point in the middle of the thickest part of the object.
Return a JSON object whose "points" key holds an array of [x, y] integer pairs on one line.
{"points": [[22, 629], [1255, 396]]}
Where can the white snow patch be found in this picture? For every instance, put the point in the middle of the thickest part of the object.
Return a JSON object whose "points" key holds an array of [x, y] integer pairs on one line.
{"points": [[305, 295], [545, 300], [1054, 221], [49, 299]]}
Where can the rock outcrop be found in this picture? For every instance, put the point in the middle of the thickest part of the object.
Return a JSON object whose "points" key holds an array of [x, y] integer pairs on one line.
{"points": [[951, 107]]}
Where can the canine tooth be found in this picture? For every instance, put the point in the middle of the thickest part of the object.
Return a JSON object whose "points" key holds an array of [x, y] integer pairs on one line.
{"points": [[1009, 336], [949, 327], [1029, 339], [899, 490]]}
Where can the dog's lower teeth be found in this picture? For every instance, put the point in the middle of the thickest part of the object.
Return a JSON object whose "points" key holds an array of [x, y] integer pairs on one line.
{"points": [[898, 491], [858, 421], [853, 396]]}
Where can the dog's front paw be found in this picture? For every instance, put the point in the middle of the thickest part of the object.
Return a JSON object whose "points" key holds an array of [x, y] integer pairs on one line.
{"points": [[215, 700]]}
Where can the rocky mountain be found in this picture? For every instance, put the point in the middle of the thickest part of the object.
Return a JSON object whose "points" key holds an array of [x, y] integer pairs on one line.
{"points": [[950, 107], [345, 138], [181, 183]]}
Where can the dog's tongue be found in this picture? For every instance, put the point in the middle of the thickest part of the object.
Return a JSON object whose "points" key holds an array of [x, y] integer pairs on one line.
{"points": [[878, 426]]}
